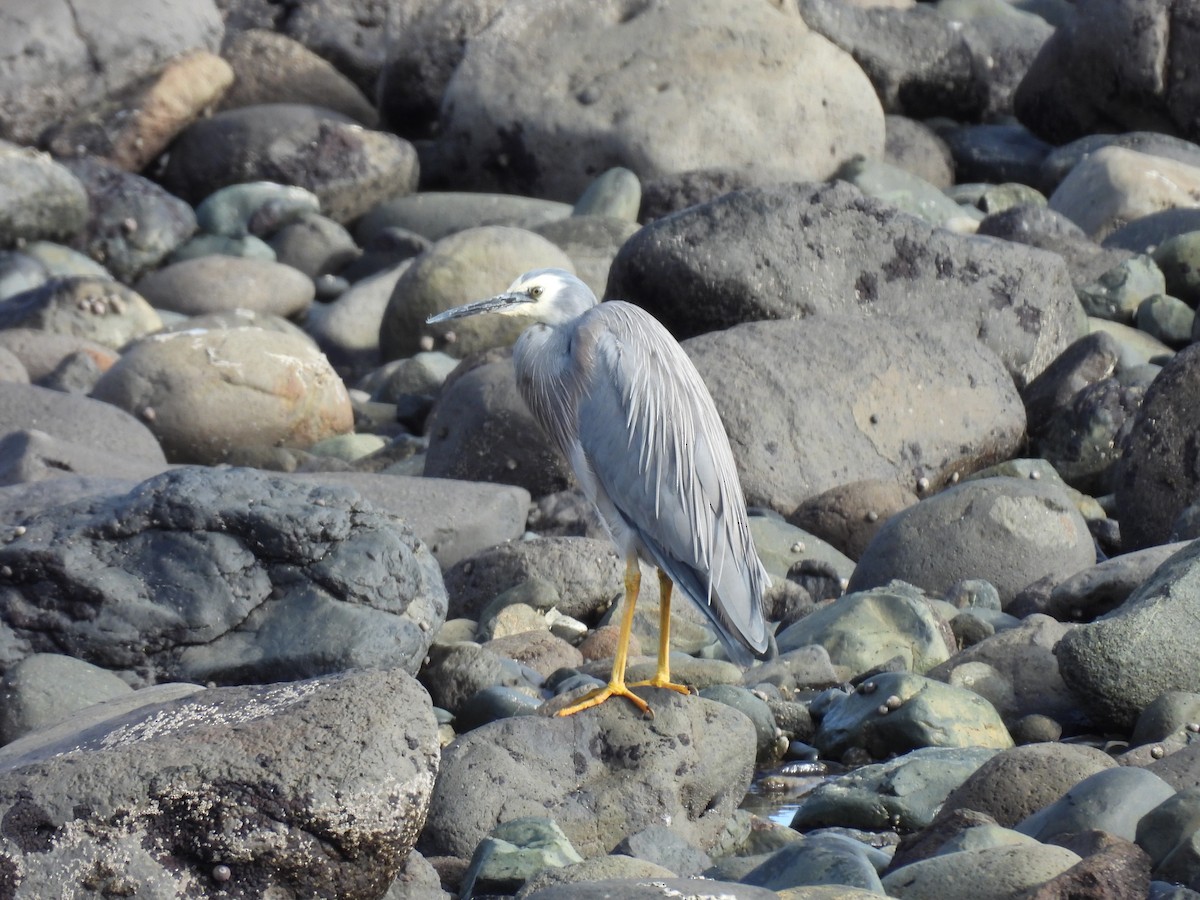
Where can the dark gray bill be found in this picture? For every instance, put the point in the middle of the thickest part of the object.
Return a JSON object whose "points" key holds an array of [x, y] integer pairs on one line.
{"points": [[480, 306]]}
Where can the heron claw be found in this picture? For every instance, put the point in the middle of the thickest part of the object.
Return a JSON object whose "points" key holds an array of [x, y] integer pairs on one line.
{"points": [[598, 696]]}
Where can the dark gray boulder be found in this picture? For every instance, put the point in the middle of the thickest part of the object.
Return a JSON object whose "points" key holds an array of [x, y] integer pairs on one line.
{"points": [[801, 250], [315, 789], [602, 774], [1156, 477], [222, 575]]}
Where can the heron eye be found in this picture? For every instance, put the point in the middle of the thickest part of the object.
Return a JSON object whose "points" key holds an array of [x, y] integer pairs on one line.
{"points": [[535, 291]]}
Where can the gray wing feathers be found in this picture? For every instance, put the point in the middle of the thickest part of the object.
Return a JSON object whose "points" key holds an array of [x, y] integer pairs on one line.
{"points": [[644, 401]]}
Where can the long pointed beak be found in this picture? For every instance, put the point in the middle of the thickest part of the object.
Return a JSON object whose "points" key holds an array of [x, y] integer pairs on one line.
{"points": [[492, 304]]}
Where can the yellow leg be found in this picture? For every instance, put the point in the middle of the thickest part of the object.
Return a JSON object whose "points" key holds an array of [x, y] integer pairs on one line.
{"points": [[662, 674], [616, 682]]}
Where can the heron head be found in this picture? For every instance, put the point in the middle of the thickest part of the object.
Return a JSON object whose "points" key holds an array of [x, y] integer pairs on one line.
{"points": [[552, 296]]}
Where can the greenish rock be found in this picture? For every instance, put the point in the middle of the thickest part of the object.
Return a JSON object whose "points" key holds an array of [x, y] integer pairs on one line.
{"points": [[615, 194], [601, 868], [348, 447], [39, 199], [515, 851], [818, 859], [255, 207], [903, 793], [903, 190], [781, 546], [436, 214], [984, 837], [1112, 800], [468, 265], [1119, 664], [492, 703], [1117, 293], [866, 629], [1167, 318], [1179, 259], [973, 593], [1136, 348], [64, 262], [100, 310], [994, 198], [757, 710], [994, 873], [1167, 714], [895, 711], [247, 246]]}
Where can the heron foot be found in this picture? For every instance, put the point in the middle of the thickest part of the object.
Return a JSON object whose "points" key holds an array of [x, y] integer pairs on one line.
{"points": [[598, 696], [662, 682]]}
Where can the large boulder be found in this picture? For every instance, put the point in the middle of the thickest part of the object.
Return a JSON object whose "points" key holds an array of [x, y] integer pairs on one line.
{"points": [[1156, 478], [799, 250], [602, 774], [58, 57], [813, 403], [312, 789], [552, 94], [222, 575]]}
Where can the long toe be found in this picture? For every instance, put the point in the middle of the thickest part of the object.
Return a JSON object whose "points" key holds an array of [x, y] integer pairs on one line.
{"points": [[663, 683], [598, 696]]}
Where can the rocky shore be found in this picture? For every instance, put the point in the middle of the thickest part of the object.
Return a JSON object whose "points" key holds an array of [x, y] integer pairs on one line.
{"points": [[291, 584]]}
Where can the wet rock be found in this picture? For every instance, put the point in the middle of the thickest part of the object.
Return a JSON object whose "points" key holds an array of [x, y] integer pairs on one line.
{"points": [[601, 774], [144, 801], [821, 859], [297, 580], [902, 793], [731, 261], [508, 128], [1008, 531], [895, 712], [206, 393]]}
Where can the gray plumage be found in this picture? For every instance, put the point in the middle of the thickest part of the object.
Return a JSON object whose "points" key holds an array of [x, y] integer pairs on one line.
{"points": [[631, 414]]}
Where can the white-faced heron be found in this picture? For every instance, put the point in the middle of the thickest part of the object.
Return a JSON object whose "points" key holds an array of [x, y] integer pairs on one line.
{"points": [[631, 414]]}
